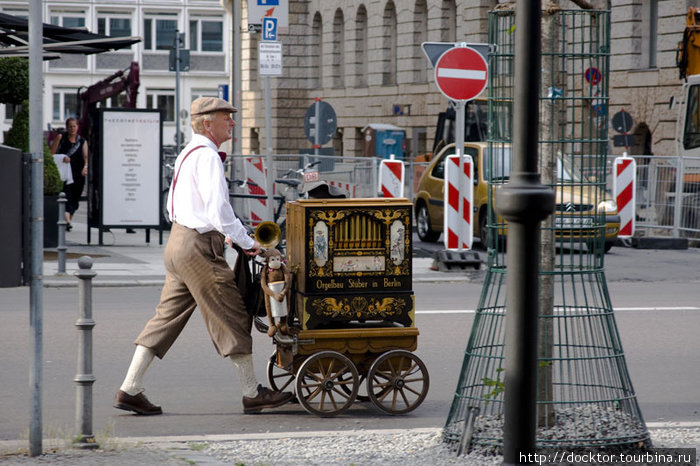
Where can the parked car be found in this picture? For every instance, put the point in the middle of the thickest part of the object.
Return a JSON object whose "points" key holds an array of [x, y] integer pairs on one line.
{"points": [[575, 208]]}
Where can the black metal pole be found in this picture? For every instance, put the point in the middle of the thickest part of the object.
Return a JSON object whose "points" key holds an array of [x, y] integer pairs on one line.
{"points": [[524, 202], [61, 248], [84, 378]]}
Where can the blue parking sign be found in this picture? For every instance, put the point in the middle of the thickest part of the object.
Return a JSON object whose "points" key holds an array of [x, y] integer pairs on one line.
{"points": [[269, 30], [269, 2]]}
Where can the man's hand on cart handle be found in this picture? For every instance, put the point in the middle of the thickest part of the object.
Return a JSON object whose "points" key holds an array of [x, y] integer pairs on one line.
{"points": [[254, 251]]}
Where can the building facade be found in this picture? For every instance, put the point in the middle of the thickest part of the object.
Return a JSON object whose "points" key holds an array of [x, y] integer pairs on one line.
{"points": [[364, 58], [361, 56], [156, 21]]}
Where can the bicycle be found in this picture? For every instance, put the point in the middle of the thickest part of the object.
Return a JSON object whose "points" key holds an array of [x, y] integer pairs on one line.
{"points": [[291, 190]]}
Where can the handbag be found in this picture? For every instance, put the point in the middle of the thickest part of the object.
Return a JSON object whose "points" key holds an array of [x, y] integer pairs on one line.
{"points": [[247, 276]]}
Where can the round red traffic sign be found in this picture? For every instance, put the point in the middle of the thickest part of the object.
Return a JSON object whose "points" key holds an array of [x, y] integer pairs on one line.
{"points": [[593, 76], [460, 73]]}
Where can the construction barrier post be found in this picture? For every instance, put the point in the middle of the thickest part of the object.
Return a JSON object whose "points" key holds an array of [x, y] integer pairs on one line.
{"points": [[624, 187], [458, 233]]}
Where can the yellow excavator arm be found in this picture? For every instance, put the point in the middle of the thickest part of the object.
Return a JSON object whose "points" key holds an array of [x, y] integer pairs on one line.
{"points": [[688, 53]]}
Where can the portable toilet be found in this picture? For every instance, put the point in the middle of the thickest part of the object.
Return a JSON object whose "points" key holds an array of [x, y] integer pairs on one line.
{"points": [[382, 140]]}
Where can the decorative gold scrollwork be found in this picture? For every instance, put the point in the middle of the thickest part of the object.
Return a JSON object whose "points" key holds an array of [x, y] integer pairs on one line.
{"points": [[357, 307]]}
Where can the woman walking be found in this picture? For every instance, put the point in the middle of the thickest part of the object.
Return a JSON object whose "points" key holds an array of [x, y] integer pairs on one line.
{"points": [[75, 150]]}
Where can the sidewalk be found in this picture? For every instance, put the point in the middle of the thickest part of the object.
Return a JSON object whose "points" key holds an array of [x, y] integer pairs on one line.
{"points": [[126, 259], [406, 447]]}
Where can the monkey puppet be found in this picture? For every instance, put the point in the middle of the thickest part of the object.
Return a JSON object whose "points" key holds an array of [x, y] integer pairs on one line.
{"points": [[275, 281]]}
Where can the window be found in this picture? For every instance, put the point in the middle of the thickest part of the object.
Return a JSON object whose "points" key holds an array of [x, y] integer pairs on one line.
{"points": [[65, 104], [691, 131], [118, 101], [339, 49], [162, 99], [650, 21], [316, 51], [361, 47], [159, 33], [114, 24], [420, 35], [389, 44], [9, 111], [197, 93], [448, 29], [74, 19], [206, 35]]}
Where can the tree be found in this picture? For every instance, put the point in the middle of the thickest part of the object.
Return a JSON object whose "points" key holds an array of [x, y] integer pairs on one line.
{"points": [[14, 80], [18, 137]]}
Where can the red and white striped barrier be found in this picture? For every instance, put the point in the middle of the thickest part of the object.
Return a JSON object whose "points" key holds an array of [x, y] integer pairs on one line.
{"points": [[458, 233], [624, 187], [254, 171], [391, 176]]}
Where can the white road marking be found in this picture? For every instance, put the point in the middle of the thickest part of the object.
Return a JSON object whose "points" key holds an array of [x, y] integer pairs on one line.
{"points": [[617, 309]]}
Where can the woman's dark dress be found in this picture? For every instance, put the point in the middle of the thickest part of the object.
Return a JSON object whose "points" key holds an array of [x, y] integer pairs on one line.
{"points": [[75, 152]]}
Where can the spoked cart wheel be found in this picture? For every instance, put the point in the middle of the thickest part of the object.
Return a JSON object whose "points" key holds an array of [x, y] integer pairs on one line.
{"points": [[361, 385], [397, 382], [278, 378], [327, 383]]}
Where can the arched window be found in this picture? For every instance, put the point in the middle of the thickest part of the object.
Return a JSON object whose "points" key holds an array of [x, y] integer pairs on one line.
{"points": [[448, 28], [316, 50], [420, 35], [388, 64], [361, 47], [338, 49]]}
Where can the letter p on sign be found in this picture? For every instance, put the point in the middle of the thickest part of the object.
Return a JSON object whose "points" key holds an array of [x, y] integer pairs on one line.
{"points": [[269, 31]]}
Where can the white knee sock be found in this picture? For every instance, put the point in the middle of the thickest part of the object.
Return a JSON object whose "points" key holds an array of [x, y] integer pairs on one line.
{"points": [[133, 382], [246, 375]]}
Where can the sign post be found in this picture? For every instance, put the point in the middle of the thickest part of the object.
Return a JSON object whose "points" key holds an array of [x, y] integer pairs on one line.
{"points": [[179, 61], [461, 75], [269, 64]]}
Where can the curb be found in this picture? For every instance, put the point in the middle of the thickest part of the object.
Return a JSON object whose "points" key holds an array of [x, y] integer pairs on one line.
{"points": [[165, 441]]}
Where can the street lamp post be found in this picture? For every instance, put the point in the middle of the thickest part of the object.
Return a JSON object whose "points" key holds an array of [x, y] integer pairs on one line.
{"points": [[523, 202]]}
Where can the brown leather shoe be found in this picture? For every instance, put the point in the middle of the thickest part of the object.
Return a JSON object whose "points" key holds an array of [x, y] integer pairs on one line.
{"points": [[266, 399], [137, 403]]}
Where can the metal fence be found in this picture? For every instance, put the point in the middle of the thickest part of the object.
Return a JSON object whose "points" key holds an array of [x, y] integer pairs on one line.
{"points": [[667, 195]]}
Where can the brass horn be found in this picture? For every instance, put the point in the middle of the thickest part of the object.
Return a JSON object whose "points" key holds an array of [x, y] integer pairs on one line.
{"points": [[268, 234]]}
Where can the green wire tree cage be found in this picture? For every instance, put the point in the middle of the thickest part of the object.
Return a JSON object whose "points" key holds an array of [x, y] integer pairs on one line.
{"points": [[585, 397]]}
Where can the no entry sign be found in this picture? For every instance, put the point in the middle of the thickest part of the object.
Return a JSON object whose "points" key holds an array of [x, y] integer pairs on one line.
{"points": [[461, 73]]}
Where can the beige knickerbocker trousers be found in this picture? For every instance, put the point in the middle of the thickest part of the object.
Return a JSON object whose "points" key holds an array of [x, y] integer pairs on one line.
{"points": [[197, 274]]}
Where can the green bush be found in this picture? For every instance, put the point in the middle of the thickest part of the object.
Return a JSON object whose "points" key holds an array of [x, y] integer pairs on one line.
{"points": [[14, 80], [18, 137]]}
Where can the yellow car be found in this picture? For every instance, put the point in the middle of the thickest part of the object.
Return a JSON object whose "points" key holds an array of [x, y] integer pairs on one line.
{"points": [[574, 210]]}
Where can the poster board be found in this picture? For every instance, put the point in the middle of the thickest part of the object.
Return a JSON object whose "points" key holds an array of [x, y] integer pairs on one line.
{"points": [[130, 167]]}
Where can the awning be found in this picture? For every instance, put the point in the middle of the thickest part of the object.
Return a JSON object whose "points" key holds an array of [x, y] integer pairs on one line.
{"points": [[14, 39]]}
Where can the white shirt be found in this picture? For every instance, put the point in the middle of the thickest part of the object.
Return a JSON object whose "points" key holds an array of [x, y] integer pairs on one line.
{"points": [[201, 197]]}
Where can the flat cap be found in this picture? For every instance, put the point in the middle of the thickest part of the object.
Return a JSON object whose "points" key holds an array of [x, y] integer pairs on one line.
{"points": [[202, 105]]}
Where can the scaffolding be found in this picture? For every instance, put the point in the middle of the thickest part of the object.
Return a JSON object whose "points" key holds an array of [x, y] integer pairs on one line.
{"points": [[585, 397]]}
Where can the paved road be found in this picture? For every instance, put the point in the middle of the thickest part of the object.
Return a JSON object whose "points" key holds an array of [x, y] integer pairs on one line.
{"points": [[658, 318]]}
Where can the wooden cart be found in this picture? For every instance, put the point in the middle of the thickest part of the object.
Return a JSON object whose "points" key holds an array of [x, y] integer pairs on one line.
{"points": [[352, 332]]}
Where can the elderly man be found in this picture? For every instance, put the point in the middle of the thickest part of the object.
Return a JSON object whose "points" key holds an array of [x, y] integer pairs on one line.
{"points": [[197, 275]]}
